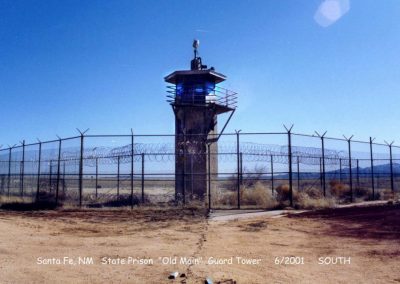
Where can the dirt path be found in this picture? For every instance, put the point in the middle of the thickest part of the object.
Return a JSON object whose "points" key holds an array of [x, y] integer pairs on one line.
{"points": [[229, 215]]}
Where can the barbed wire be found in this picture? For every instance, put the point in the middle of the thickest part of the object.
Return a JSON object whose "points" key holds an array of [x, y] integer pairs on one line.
{"points": [[165, 152], [159, 152]]}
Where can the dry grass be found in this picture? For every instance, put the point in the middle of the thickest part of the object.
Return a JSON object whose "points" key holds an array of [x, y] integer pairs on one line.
{"points": [[386, 194], [363, 193], [254, 226], [15, 199], [221, 197], [338, 189], [282, 192], [304, 201], [258, 195], [314, 192], [342, 192], [310, 198]]}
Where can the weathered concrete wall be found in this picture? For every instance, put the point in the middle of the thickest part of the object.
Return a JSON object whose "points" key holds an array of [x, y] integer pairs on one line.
{"points": [[193, 126]]}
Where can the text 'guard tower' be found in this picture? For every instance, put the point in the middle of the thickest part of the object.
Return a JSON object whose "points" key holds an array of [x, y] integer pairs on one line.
{"points": [[197, 101]]}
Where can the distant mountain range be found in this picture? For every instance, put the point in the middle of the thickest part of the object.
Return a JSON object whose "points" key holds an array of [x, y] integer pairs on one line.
{"points": [[379, 170]]}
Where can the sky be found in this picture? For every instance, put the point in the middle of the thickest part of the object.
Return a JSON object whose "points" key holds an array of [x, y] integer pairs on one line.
{"points": [[320, 64]]}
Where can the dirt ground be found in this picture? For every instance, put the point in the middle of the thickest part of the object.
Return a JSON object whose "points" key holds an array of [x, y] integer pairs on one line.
{"points": [[45, 246]]}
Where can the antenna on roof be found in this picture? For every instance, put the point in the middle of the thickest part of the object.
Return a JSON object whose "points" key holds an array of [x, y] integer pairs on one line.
{"points": [[196, 44], [196, 64]]}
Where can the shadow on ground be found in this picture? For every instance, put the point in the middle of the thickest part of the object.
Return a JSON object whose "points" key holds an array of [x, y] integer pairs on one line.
{"points": [[103, 215], [369, 222], [31, 206]]}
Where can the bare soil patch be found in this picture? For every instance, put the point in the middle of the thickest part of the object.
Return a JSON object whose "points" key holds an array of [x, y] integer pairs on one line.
{"points": [[370, 236]]}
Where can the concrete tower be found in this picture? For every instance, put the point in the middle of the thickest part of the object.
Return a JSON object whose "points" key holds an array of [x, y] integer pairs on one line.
{"points": [[197, 101]]}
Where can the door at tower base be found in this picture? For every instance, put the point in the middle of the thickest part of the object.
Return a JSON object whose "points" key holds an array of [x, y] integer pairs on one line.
{"points": [[194, 127]]}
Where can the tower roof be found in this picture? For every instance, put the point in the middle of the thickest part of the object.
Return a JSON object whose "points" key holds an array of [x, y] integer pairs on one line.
{"points": [[208, 74]]}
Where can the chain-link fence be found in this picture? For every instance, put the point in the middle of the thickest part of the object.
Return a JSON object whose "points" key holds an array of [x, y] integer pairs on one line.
{"points": [[240, 170]]}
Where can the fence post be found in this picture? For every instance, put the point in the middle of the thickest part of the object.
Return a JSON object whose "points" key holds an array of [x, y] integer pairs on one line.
{"points": [[64, 178], [118, 165], [322, 137], [22, 172], [58, 168], [81, 166], [142, 178], [298, 173], [97, 176], [340, 170], [238, 167], [51, 174], [323, 164], [81, 171], [38, 172], [241, 168], [391, 170], [321, 174], [9, 171], [184, 170], [209, 176], [372, 167], [391, 165], [289, 131], [350, 169], [358, 173], [132, 164], [272, 174]]}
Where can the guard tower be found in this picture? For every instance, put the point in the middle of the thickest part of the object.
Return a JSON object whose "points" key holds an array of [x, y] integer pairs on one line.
{"points": [[197, 101]]}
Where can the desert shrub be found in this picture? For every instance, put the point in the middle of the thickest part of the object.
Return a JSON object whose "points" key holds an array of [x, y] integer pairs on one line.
{"points": [[193, 203], [258, 195], [386, 194], [5, 199], [250, 178], [363, 193], [309, 198], [282, 192], [303, 200], [46, 196], [377, 195], [119, 201], [230, 184], [223, 197], [313, 192], [338, 189]]}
